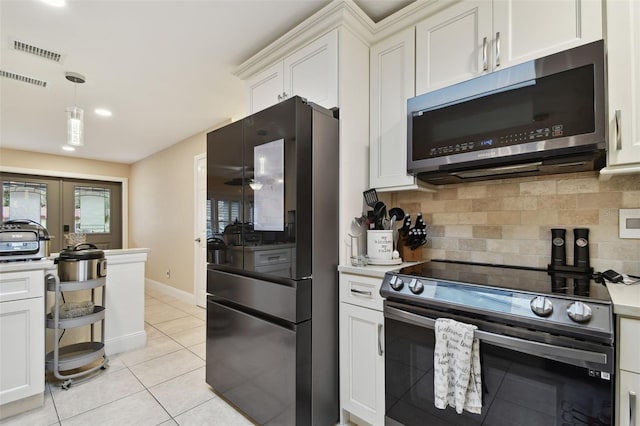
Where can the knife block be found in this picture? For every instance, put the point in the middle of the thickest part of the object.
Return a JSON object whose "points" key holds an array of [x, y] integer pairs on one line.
{"points": [[407, 254]]}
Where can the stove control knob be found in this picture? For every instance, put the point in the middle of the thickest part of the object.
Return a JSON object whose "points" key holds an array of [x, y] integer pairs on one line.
{"points": [[396, 283], [579, 312], [416, 286], [541, 306]]}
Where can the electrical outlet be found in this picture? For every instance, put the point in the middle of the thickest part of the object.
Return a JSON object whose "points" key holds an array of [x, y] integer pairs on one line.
{"points": [[168, 273]]}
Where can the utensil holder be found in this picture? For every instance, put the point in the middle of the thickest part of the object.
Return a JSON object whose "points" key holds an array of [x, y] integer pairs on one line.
{"points": [[380, 244]]}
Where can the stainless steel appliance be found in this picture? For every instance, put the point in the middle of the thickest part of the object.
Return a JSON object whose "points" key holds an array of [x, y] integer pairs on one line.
{"points": [[272, 329], [540, 117], [547, 353], [82, 262], [23, 239]]}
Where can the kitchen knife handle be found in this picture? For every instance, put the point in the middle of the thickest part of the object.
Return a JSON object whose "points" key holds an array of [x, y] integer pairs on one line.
{"points": [[618, 129], [632, 408], [485, 64], [497, 49], [380, 351]]}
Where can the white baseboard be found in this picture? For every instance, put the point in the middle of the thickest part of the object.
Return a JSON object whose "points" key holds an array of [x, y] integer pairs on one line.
{"points": [[125, 343], [171, 291]]}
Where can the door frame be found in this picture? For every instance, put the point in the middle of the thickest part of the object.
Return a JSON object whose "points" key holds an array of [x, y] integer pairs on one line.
{"points": [[200, 231], [54, 173]]}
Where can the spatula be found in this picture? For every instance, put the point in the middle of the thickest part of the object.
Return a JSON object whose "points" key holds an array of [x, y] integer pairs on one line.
{"points": [[370, 197]]}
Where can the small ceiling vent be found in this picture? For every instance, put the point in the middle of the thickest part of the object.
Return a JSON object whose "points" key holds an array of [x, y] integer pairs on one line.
{"points": [[23, 78], [38, 51]]}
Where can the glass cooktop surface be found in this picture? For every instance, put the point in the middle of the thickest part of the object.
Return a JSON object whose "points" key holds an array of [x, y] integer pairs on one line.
{"points": [[515, 278]]}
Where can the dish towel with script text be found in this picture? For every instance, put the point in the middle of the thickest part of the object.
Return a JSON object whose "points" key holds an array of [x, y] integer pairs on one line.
{"points": [[456, 364]]}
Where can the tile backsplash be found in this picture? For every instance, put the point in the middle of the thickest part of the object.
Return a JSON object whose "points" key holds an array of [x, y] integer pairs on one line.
{"points": [[509, 221]]}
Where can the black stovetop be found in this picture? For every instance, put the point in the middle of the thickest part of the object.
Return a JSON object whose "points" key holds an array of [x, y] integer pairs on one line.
{"points": [[516, 278]]}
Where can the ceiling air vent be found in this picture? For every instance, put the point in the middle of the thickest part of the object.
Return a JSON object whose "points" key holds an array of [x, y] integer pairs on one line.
{"points": [[23, 78], [33, 50]]}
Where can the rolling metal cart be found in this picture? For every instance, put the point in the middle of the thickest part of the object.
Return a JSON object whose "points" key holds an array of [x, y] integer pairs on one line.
{"points": [[63, 359]]}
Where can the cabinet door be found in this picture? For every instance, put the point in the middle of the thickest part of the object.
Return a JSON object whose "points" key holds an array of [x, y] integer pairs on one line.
{"points": [[362, 363], [530, 29], [623, 45], [392, 83], [21, 349], [453, 45], [264, 88], [312, 71], [629, 399]]}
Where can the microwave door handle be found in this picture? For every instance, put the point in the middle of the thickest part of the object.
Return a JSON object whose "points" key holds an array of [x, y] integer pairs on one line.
{"points": [[618, 130], [497, 49], [577, 357], [485, 64]]}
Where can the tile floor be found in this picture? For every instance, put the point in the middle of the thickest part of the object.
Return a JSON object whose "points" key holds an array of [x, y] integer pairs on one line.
{"points": [[162, 383]]}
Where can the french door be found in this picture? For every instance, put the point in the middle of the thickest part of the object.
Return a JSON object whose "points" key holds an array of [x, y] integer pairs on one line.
{"points": [[67, 208]]}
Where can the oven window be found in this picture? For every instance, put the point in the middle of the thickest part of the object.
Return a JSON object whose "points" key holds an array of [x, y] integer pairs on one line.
{"points": [[519, 389]]}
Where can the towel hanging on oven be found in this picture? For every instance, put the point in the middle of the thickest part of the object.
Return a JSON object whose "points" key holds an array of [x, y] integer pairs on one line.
{"points": [[457, 380]]}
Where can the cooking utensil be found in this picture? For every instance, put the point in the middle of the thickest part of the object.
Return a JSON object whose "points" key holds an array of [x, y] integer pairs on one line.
{"points": [[370, 197], [396, 212], [380, 213]]}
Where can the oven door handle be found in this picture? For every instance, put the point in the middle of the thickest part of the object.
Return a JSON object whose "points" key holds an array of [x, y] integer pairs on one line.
{"points": [[578, 357]]}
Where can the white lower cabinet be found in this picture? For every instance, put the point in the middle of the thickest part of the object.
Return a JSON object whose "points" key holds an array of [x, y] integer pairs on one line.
{"points": [[629, 399], [361, 350], [21, 335], [628, 392]]}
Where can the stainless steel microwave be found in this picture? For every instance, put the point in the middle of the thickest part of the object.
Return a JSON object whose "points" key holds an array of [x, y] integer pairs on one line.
{"points": [[540, 117]]}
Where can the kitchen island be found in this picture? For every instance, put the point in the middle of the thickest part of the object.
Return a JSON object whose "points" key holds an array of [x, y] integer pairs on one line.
{"points": [[22, 324]]}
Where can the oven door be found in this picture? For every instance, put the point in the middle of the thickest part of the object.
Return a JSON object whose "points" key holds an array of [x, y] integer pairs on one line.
{"points": [[525, 382]]}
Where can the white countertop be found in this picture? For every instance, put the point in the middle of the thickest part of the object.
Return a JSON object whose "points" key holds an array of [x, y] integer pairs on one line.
{"points": [[375, 271], [626, 299], [27, 265]]}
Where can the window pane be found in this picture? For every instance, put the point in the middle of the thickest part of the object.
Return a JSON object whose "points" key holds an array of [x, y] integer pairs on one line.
{"points": [[23, 200], [93, 210]]}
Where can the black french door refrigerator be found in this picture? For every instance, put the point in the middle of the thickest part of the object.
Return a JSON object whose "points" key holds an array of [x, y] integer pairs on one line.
{"points": [[272, 303]]}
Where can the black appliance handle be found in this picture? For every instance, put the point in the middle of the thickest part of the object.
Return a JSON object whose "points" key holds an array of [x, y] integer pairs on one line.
{"points": [[577, 357], [88, 245]]}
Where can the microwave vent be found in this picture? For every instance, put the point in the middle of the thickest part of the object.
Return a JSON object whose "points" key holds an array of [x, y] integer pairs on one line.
{"points": [[23, 78]]}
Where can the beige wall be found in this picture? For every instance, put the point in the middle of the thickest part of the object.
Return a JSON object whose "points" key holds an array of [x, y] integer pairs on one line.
{"points": [[60, 163], [162, 214], [509, 221]]}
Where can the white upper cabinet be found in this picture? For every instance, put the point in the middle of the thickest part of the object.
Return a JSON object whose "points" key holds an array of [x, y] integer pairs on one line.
{"points": [[310, 72], [530, 29], [623, 47], [264, 88], [392, 83], [474, 37], [453, 45]]}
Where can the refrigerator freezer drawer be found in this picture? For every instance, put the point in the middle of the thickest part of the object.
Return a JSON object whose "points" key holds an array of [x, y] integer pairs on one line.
{"points": [[262, 368], [290, 302]]}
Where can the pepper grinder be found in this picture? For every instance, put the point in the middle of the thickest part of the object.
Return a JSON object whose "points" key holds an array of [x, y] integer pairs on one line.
{"points": [[581, 248], [558, 257], [581, 260]]}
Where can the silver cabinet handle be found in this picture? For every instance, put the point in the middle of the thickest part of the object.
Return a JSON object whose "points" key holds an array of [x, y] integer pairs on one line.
{"points": [[485, 64], [280, 97], [618, 129], [197, 240], [356, 291], [632, 408], [498, 49], [380, 351]]}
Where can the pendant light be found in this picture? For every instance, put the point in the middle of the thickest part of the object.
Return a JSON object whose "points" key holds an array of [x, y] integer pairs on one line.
{"points": [[75, 115]]}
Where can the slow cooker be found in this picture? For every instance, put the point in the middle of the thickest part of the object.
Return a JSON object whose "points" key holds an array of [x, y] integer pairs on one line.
{"points": [[82, 262]]}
